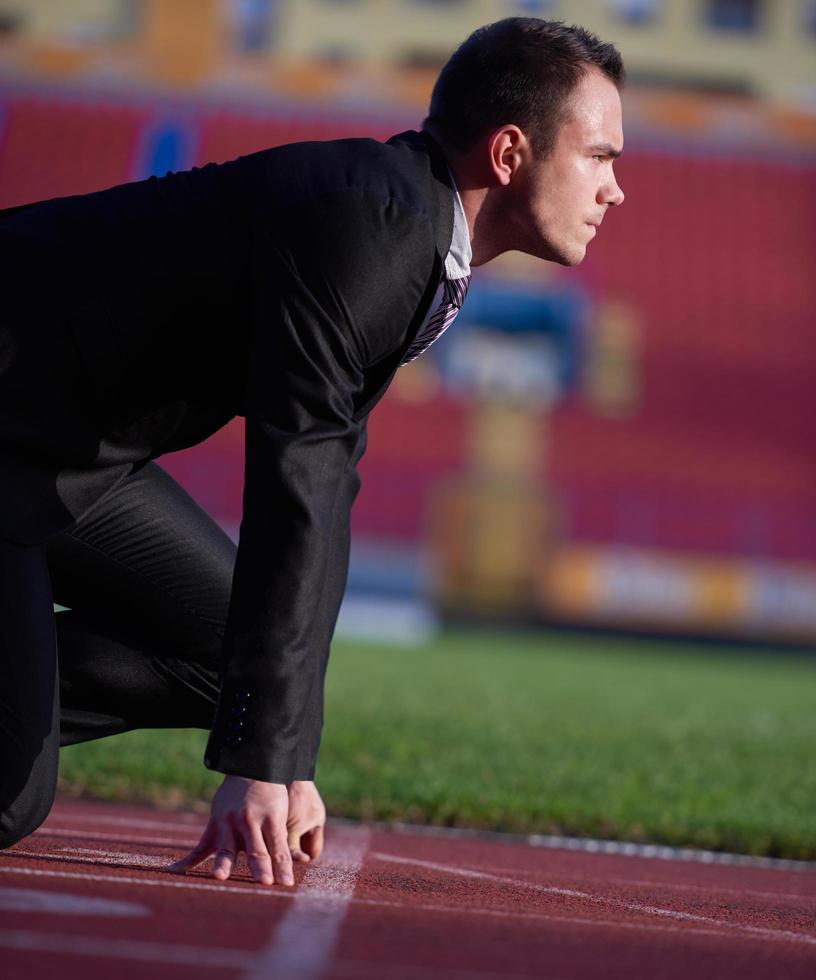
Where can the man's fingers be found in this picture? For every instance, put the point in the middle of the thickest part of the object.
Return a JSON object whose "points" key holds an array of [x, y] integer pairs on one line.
{"points": [[188, 862], [312, 842], [225, 855], [224, 863], [298, 854], [198, 855], [306, 846], [258, 859], [279, 852]]}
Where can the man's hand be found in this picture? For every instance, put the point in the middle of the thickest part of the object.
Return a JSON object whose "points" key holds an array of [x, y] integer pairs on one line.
{"points": [[252, 816]]}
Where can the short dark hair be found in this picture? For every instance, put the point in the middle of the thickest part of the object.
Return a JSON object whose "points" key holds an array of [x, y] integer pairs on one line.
{"points": [[519, 70]]}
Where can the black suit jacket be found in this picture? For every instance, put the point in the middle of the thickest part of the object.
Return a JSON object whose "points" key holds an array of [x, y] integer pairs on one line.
{"points": [[284, 286]]}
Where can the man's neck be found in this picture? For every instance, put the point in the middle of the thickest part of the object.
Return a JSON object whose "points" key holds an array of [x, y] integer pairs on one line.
{"points": [[475, 197]]}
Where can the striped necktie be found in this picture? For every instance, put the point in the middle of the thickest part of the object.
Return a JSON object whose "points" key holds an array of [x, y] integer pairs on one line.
{"points": [[453, 295]]}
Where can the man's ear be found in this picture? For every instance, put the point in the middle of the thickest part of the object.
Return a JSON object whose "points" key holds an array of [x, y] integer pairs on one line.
{"points": [[507, 149]]}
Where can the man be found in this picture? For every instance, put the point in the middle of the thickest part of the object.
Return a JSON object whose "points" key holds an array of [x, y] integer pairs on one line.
{"points": [[287, 286]]}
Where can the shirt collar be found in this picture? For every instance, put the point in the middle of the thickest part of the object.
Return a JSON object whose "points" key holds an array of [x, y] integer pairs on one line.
{"points": [[457, 263]]}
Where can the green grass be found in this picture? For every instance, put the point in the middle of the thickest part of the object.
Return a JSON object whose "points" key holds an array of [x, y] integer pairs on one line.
{"points": [[550, 733]]}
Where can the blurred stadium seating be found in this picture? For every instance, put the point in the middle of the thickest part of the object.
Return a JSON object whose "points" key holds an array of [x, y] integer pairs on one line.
{"points": [[713, 255]]}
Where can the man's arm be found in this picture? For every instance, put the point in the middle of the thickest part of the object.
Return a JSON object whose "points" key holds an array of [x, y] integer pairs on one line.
{"points": [[347, 277], [288, 584], [340, 294]]}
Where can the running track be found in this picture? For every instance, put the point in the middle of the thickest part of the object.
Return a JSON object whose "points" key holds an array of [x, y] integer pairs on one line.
{"points": [[86, 895]]}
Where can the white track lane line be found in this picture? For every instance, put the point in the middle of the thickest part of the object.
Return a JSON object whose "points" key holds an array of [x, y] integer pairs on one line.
{"points": [[364, 970], [304, 940], [602, 848], [249, 890], [60, 832], [661, 852], [255, 892], [85, 856], [78, 855], [147, 952], [93, 855], [705, 887], [590, 845], [600, 900], [124, 949], [59, 903], [114, 857]]}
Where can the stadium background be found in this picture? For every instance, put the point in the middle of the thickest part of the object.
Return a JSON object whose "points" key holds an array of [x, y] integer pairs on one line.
{"points": [[627, 444]]}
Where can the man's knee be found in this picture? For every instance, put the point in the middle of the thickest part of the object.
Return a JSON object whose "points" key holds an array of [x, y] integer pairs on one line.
{"points": [[25, 814], [29, 782]]}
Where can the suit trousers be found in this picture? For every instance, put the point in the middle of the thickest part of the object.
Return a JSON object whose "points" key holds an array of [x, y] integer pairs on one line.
{"points": [[146, 577]]}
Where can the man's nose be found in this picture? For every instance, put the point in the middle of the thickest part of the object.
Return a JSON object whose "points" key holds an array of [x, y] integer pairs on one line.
{"points": [[611, 194]]}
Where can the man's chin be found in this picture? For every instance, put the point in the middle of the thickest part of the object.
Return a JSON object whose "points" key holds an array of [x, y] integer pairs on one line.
{"points": [[574, 257], [568, 253], [561, 256]]}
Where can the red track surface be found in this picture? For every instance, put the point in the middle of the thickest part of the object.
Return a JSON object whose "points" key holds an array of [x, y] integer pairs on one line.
{"points": [[86, 895]]}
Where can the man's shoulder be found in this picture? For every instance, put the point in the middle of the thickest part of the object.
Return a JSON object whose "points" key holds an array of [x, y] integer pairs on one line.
{"points": [[397, 170]]}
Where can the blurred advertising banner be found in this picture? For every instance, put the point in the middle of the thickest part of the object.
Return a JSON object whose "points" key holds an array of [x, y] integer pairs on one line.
{"points": [[660, 591]]}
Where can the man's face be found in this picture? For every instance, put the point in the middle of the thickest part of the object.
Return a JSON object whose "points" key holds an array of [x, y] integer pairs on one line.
{"points": [[563, 198]]}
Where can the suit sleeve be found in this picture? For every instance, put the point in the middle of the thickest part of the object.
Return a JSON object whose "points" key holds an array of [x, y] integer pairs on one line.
{"points": [[347, 277]]}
